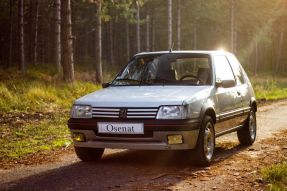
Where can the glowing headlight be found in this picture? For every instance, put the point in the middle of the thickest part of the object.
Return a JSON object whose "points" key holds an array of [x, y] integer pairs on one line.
{"points": [[172, 112], [81, 111]]}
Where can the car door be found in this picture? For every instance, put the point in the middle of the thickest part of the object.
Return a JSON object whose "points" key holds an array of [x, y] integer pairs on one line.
{"points": [[241, 88], [228, 99]]}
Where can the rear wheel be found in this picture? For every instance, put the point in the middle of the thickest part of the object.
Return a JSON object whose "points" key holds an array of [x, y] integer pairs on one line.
{"points": [[89, 154], [205, 147], [247, 134]]}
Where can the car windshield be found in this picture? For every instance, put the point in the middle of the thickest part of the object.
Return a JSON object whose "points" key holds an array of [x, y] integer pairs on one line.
{"points": [[166, 69]]}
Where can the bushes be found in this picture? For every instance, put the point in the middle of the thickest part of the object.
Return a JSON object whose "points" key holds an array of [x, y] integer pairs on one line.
{"points": [[40, 93]]}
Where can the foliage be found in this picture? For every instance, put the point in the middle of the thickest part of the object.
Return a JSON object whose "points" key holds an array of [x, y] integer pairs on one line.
{"points": [[50, 133], [38, 91], [254, 19], [269, 88], [276, 175]]}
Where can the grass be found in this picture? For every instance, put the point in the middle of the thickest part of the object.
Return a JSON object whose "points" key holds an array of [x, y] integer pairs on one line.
{"points": [[30, 138], [38, 91], [270, 88], [276, 176]]}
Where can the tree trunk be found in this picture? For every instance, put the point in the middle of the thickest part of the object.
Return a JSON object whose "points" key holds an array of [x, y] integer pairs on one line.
{"points": [[256, 56], [11, 34], [169, 24], [138, 28], [178, 24], [21, 36], [194, 37], [147, 33], [98, 48], [57, 51], [128, 40], [67, 41], [153, 33], [232, 26], [111, 39], [281, 41], [35, 39]]}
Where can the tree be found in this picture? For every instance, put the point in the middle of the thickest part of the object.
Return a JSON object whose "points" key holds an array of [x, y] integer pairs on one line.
{"points": [[35, 26], [282, 21], [138, 27], [178, 24], [98, 49], [67, 41], [232, 26], [147, 33], [128, 40], [169, 17], [21, 36], [11, 33], [57, 17]]}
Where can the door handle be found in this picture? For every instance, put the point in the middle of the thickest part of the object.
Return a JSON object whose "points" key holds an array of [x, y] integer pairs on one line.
{"points": [[238, 92]]}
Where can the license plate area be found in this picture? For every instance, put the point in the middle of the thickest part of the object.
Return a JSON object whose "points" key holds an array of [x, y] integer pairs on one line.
{"points": [[111, 128]]}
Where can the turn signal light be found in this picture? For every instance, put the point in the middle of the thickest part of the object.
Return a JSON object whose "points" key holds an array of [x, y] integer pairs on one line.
{"points": [[79, 137], [175, 139]]}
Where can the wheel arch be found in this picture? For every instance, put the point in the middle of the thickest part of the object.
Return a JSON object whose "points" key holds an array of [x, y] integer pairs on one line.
{"points": [[208, 111], [253, 104]]}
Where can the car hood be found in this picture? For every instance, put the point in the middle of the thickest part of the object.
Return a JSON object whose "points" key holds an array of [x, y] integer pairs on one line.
{"points": [[144, 96]]}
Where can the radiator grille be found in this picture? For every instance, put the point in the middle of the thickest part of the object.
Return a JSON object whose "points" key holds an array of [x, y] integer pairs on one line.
{"points": [[125, 113]]}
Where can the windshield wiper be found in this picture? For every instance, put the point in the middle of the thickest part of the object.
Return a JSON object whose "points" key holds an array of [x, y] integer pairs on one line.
{"points": [[128, 80], [157, 80]]}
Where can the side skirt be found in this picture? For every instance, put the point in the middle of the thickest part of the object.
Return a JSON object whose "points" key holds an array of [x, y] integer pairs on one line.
{"points": [[228, 131]]}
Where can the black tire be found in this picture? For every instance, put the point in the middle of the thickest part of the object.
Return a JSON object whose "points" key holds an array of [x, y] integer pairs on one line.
{"points": [[204, 151], [89, 154], [247, 134]]}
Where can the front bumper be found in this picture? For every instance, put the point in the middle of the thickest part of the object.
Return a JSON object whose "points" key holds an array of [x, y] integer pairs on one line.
{"points": [[154, 137]]}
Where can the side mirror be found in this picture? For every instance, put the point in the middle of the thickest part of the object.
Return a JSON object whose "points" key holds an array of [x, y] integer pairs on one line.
{"points": [[225, 83], [105, 85]]}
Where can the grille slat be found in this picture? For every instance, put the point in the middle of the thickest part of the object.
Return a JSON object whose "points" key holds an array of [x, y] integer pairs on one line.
{"points": [[141, 113], [134, 113], [105, 113]]}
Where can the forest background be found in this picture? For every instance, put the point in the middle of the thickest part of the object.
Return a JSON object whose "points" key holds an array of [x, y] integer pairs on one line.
{"points": [[54, 51]]}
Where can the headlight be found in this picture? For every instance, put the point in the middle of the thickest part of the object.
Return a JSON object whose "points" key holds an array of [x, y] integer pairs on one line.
{"points": [[81, 111], [172, 112]]}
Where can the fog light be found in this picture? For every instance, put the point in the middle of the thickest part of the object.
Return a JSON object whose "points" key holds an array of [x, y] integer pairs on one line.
{"points": [[79, 137], [175, 139]]}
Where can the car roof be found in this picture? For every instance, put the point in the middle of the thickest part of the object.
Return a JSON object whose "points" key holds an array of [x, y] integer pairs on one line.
{"points": [[209, 52]]}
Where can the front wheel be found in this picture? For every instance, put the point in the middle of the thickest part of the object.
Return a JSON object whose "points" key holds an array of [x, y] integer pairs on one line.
{"points": [[205, 147], [247, 134], [89, 154]]}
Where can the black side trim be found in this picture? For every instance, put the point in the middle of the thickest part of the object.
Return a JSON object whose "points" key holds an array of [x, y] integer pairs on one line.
{"points": [[232, 114], [228, 131]]}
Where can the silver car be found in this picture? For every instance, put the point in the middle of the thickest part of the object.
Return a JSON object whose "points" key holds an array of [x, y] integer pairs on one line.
{"points": [[177, 100]]}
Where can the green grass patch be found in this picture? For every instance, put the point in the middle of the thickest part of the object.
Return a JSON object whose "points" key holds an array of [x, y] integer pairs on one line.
{"points": [[32, 137], [276, 175], [270, 88], [38, 91]]}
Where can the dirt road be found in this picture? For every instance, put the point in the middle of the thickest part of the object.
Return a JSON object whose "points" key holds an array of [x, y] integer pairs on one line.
{"points": [[235, 167]]}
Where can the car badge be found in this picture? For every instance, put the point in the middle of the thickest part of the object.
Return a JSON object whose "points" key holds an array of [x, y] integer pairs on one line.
{"points": [[123, 113]]}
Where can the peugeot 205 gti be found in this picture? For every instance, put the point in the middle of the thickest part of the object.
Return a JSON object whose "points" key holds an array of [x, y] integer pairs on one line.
{"points": [[176, 100]]}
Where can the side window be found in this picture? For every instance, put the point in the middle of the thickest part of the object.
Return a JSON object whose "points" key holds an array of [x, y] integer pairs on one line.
{"points": [[235, 65], [222, 68]]}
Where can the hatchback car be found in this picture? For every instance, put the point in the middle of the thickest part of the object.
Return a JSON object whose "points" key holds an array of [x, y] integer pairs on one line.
{"points": [[169, 100]]}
